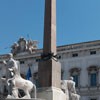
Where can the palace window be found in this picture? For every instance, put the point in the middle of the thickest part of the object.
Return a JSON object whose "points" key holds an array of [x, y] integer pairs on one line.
{"points": [[93, 76], [75, 73], [22, 62], [74, 54], [93, 79], [76, 79], [35, 79], [92, 52], [93, 99]]}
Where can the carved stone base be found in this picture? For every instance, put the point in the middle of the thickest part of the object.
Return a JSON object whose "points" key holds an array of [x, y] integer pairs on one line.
{"points": [[49, 73], [51, 93]]}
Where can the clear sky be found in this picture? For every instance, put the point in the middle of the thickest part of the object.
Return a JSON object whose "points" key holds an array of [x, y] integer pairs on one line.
{"points": [[77, 21]]}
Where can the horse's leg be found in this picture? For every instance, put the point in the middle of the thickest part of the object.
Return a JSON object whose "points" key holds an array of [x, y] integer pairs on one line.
{"points": [[14, 89], [35, 94], [15, 92], [27, 94]]}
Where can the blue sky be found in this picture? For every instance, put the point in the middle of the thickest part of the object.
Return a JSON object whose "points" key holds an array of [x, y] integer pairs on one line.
{"points": [[77, 21]]}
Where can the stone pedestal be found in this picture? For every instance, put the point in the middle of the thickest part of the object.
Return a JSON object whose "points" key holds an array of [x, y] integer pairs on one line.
{"points": [[51, 93], [49, 74]]}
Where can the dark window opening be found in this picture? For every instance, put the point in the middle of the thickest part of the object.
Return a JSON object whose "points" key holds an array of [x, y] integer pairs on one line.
{"points": [[75, 80], [22, 62], [92, 52], [36, 80], [75, 55], [93, 79]]}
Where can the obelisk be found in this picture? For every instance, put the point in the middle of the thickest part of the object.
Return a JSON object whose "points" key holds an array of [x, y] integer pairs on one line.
{"points": [[50, 27], [49, 70]]}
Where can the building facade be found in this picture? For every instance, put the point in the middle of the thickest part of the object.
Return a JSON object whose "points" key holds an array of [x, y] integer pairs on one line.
{"points": [[81, 60]]}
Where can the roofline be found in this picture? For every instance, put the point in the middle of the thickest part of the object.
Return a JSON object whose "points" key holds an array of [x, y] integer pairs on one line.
{"points": [[79, 43]]}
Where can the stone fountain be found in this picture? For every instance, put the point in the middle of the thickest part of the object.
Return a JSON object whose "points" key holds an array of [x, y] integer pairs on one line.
{"points": [[49, 71]]}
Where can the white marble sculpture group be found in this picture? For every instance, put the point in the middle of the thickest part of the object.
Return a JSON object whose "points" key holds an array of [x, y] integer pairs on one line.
{"points": [[15, 82], [68, 86]]}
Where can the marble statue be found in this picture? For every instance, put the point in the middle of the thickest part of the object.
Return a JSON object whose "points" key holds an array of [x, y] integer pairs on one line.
{"points": [[16, 81], [24, 46], [68, 86], [32, 45], [15, 48]]}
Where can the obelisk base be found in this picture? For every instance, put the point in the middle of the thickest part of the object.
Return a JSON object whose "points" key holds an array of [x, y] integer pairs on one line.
{"points": [[51, 93], [49, 73]]}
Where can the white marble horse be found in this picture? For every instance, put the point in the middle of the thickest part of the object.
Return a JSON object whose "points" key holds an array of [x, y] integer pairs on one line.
{"points": [[17, 81]]}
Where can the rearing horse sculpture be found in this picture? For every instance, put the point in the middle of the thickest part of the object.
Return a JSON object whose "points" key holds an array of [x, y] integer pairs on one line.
{"points": [[18, 82]]}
